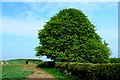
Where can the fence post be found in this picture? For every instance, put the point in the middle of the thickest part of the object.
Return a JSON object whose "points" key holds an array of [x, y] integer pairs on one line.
{"points": [[26, 61]]}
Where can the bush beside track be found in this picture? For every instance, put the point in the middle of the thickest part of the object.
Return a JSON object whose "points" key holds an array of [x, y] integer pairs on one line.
{"points": [[87, 71]]}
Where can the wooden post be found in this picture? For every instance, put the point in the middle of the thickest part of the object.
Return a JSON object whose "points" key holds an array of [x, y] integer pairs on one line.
{"points": [[26, 61]]}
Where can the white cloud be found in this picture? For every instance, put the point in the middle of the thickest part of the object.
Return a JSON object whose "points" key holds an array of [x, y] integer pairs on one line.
{"points": [[31, 22], [28, 26], [26, 23]]}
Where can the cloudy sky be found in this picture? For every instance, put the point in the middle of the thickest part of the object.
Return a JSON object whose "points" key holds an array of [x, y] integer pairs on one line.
{"points": [[22, 20]]}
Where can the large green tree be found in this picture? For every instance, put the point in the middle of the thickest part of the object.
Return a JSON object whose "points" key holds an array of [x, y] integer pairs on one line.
{"points": [[70, 36]]}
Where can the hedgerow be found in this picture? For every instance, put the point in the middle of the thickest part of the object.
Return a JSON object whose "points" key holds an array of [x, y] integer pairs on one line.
{"points": [[88, 71], [114, 60]]}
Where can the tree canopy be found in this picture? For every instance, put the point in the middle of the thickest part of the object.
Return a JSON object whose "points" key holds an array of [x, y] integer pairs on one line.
{"points": [[70, 36]]}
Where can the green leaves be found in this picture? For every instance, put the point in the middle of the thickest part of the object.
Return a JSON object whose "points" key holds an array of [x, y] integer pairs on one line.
{"points": [[87, 71], [70, 36]]}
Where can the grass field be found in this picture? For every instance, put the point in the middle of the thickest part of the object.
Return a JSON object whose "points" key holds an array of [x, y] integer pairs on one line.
{"points": [[14, 70]]}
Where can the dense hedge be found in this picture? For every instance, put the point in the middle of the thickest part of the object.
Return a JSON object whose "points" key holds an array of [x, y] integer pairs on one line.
{"points": [[114, 60], [91, 71], [46, 64]]}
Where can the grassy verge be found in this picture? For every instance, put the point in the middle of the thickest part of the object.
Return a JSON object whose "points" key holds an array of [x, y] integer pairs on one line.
{"points": [[57, 74]]}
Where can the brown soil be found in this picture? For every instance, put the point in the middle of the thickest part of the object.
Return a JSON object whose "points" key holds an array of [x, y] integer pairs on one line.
{"points": [[38, 74]]}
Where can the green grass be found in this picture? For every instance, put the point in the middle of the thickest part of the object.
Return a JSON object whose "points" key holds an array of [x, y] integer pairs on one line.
{"points": [[35, 62], [14, 71], [16, 61], [0, 72], [57, 74], [4, 62]]}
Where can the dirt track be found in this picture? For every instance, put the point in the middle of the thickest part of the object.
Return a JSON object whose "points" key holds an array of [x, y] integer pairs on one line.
{"points": [[38, 74]]}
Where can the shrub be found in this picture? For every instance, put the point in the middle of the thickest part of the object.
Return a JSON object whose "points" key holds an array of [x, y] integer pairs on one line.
{"points": [[114, 60], [46, 64], [89, 71]]}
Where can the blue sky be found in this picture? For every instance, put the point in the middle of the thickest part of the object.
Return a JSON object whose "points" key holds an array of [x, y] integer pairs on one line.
{"points": [[22, 20]]}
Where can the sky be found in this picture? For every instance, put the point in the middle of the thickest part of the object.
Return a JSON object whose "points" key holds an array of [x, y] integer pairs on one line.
{"points": [[22, 20], [119, 29], [60, 0]]}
